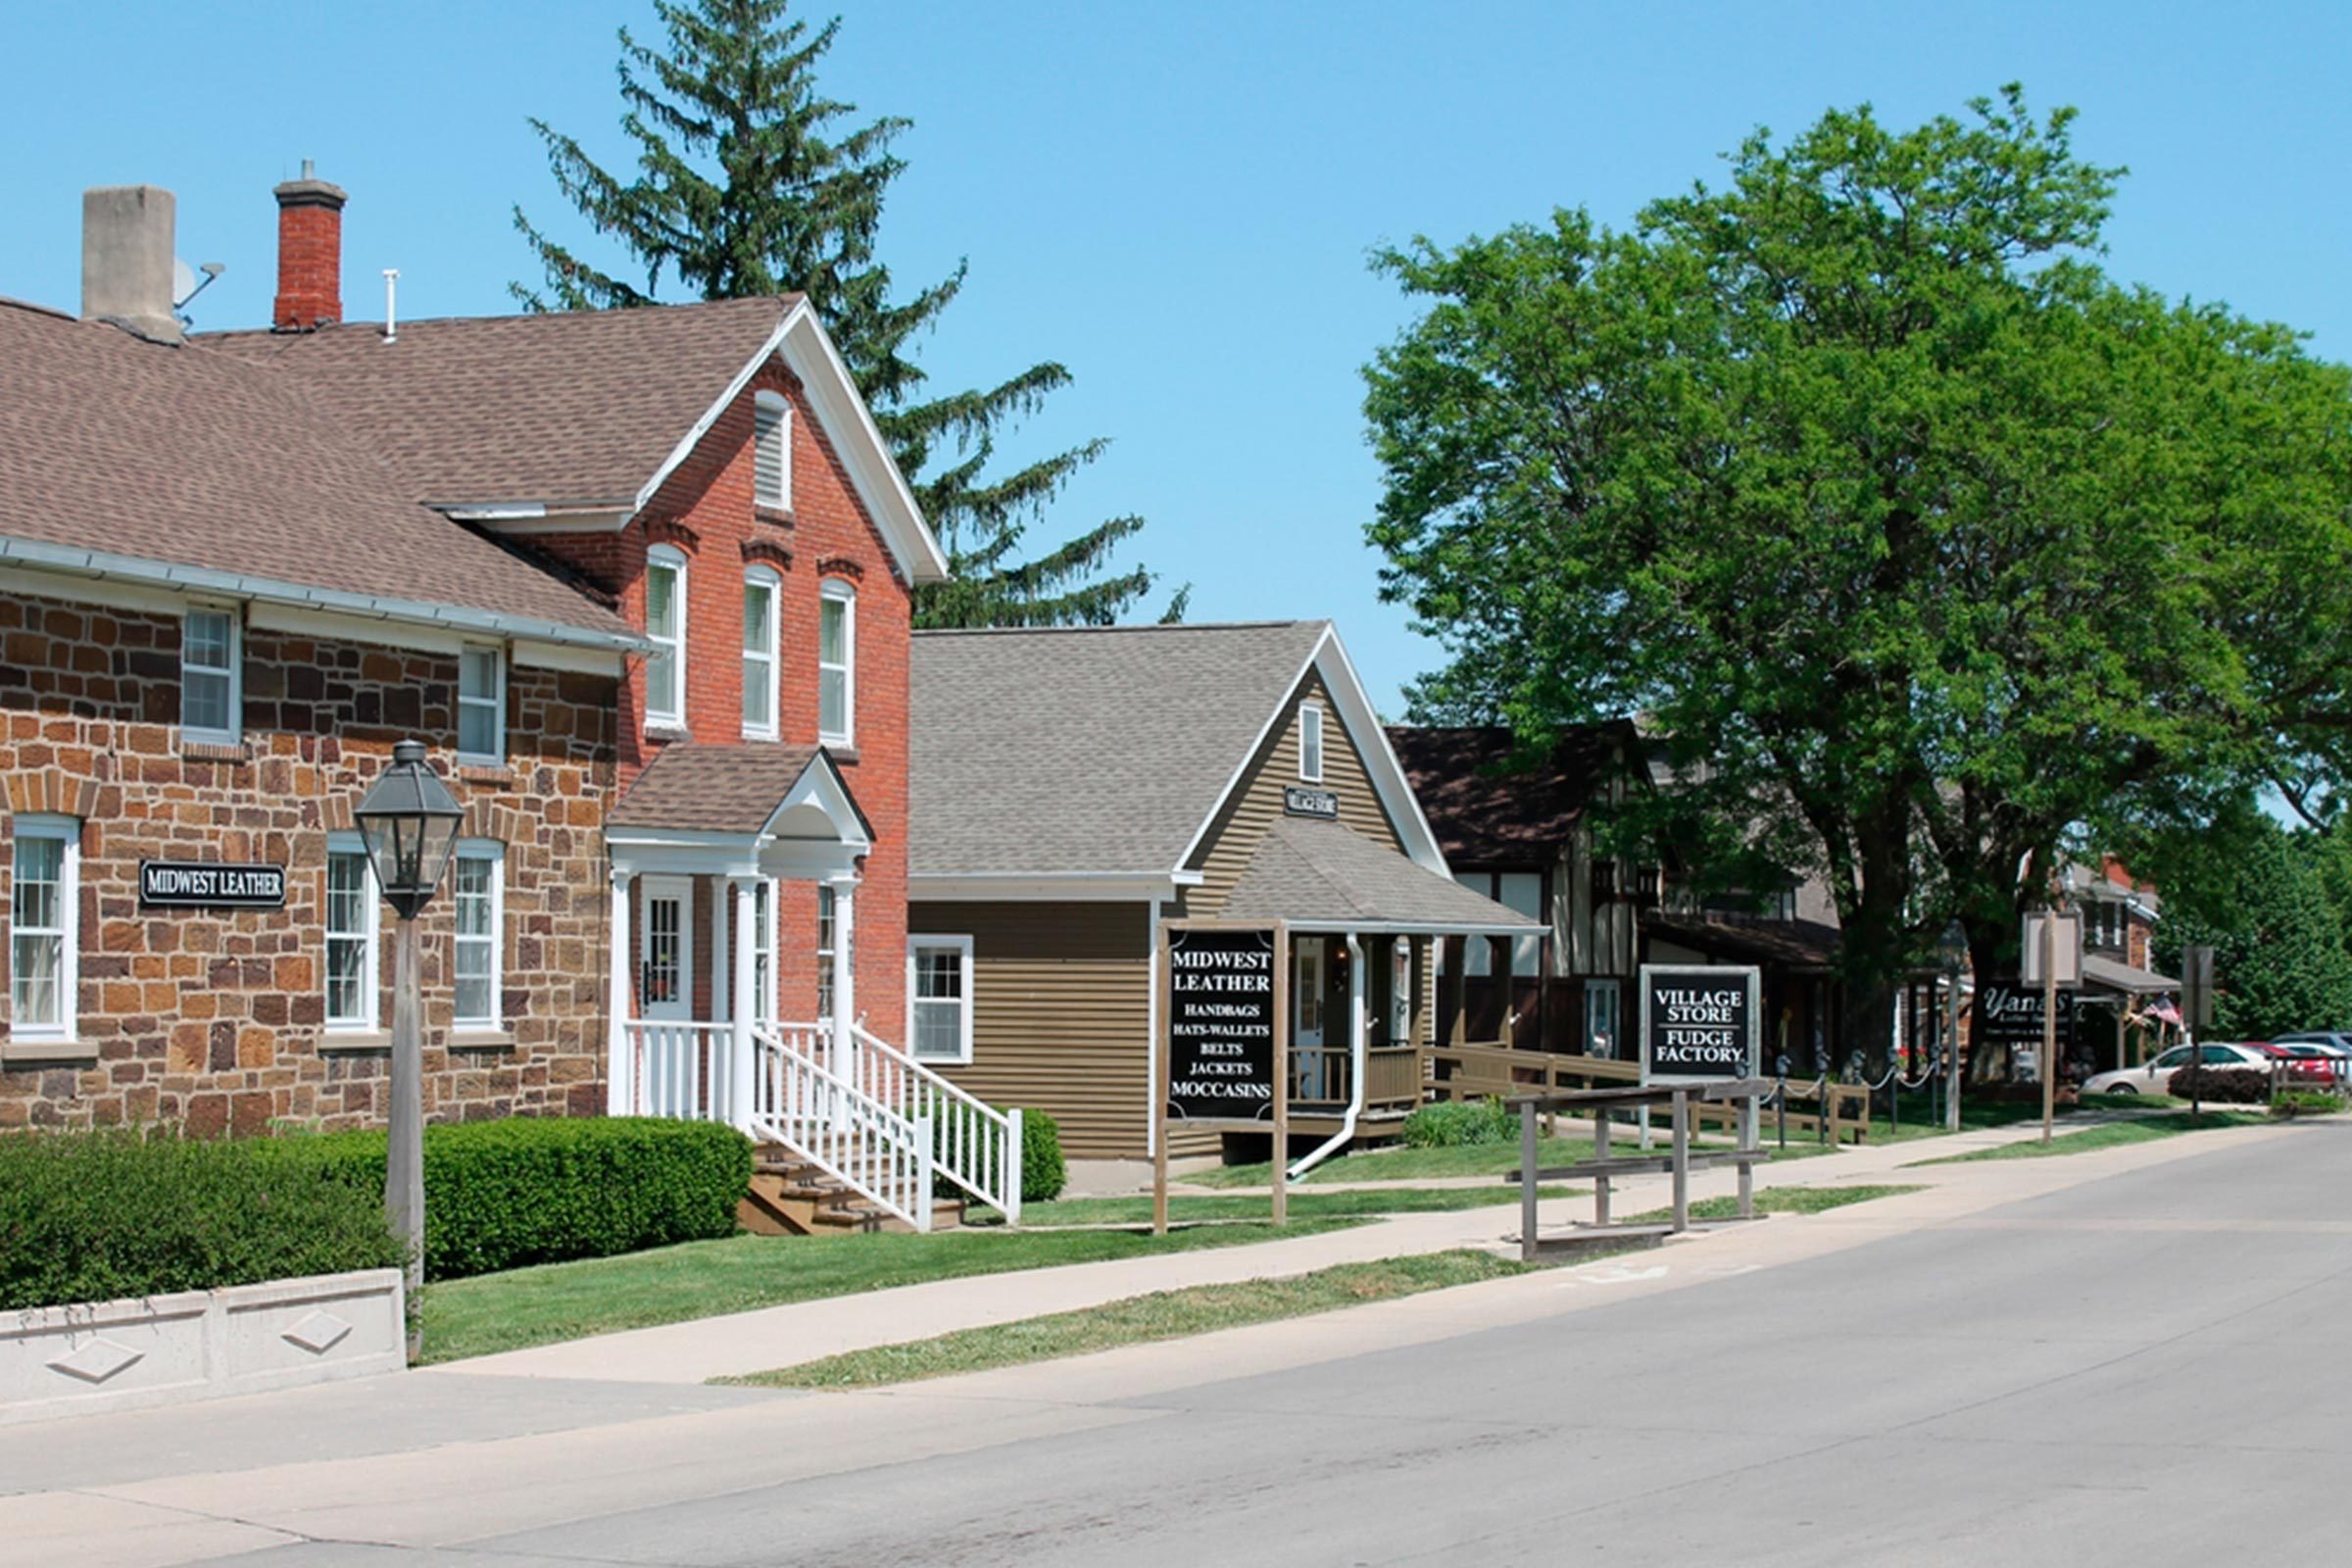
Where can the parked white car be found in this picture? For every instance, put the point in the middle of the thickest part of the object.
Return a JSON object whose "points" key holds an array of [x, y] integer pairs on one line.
{"points": [[2155, 1077]]}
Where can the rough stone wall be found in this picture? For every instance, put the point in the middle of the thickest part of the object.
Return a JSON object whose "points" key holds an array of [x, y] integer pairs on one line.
{"points": [[214, 1020]]}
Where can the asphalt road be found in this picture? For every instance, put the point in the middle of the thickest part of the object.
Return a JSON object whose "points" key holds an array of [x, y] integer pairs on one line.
{"points": [[2148, 1369]]}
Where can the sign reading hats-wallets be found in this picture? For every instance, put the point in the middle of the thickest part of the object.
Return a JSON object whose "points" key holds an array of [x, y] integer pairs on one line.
{"points": [[1221, 1025], [1699, 1024], [208, 885]]}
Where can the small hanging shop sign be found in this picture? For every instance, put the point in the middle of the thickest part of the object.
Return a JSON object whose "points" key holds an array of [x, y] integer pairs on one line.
{"points": [[1699, 1023], [1222, 1056], [211, 885], [1322, 805]]}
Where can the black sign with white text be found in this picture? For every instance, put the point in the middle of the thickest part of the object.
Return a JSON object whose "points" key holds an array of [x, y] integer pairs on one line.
{"points": [[208, 885], [2009, 1013], [1699, 1024], [1221, 1021], [1323, 804]]}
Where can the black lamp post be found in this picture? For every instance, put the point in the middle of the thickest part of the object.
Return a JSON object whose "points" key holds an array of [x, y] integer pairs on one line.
{"points": [[410, 821], [1952, 949]]}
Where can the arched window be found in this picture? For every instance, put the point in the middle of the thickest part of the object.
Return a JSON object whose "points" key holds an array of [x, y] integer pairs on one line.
{"points": [[665, 629], [771, 451], [837, 663], [762, 590]]}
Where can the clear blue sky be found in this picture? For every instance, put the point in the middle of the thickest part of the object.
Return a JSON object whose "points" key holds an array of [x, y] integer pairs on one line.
{"points": [[1176, 200]]}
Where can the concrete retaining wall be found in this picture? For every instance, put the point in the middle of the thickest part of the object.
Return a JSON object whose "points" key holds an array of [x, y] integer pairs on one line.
{"points": [[199, 1345]]}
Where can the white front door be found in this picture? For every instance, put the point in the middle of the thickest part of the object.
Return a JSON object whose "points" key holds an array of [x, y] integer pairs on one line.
{"points": [[1306, 1017], [665, 950]]}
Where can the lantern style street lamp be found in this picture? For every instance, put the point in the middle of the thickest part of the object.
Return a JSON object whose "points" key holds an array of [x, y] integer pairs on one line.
{"points": [[410, 821]]}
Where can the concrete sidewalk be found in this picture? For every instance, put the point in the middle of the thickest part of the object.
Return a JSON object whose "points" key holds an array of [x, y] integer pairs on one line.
{"points": [[696, 1352]]}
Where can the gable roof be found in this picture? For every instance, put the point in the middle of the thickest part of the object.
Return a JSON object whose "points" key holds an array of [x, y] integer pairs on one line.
{"points": [[1490, 804], [581, 408], [135, 460], [1107, 751], [722, 787], [1315, 873]]}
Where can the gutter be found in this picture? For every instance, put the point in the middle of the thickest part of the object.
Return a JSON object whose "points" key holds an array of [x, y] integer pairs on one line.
{"points": [[74, 561], [1359, 1032]]}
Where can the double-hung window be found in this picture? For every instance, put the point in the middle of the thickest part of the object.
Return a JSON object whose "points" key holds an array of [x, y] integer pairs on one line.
{"points": [[44, 921], [837, 665], [1310, 743], [832, 933], [210, 698], [481, 704], [761, 589], [939, 998], [763, 950], [351, 927], [771, 451], [478, 877], [665, 629]]}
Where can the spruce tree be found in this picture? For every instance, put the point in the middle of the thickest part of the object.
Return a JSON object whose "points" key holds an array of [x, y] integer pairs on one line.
{"points": [[750, 182]]}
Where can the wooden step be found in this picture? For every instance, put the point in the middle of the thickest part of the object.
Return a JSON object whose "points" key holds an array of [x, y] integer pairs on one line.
{"points": [[805, 1202]]}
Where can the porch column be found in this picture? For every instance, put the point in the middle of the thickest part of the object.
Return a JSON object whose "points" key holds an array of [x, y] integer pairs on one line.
{"points": [[1359, 1019], [742, 1097], [1417, 991], [845, 997], [620, 1066]]}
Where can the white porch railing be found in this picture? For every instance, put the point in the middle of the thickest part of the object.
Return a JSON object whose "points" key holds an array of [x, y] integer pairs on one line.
{"points": [[677, 1070], [976, 1147], [799, 1102]]}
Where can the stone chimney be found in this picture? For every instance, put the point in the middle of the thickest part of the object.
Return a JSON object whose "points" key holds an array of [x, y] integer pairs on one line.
{"points": [[310, 254], [126, 259]]}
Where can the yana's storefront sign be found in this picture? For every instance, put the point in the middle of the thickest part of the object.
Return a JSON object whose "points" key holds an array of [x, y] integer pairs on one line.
{"points": [[2009, 1013], [209, 885], [1224, 1042], [1699, 1024]]}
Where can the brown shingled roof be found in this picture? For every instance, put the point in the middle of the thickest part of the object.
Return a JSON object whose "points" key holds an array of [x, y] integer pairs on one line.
{"points": [[1489, 804], [120, 447], [571, 407], [721, 788], [1328, 875]]}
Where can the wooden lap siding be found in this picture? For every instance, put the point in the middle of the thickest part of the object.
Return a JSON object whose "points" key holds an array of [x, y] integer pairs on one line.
{"points": [[1061, 1014]]}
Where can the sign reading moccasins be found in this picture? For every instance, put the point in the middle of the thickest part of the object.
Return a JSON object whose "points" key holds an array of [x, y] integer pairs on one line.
{"points": [[1222, 1017], [1699, 1024]]}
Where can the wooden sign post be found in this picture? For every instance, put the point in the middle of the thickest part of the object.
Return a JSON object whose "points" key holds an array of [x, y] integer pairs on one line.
{"points": [[1222, 1061]]}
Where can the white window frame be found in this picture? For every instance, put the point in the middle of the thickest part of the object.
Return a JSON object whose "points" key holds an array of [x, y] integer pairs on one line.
{"points": [[1310, 743], [835, 591], [766, 580], [669, 558], [495, 852], [828, 915], [772, 420], [233, 734], [763, 950], [370, 1017], [496, 702], [68, 931], [962, 947]]}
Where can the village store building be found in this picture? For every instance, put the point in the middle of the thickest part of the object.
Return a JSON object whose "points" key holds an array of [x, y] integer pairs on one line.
{"points": [[1072, 788], [641, 581]]}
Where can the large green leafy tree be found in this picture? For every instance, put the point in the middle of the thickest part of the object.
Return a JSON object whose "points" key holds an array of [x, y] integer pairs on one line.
{"points": [[1921, 544], [2259, 895], [749, 181]]}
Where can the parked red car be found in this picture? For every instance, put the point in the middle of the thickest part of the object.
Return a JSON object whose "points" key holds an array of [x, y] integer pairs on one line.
{"points": [[2311, 1058]]}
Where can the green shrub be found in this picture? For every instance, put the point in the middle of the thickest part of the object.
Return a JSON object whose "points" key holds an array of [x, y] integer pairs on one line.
{"points": [[2305, 1102], [96, 1216], [1044, 1173], [2224, 1086], [1453, 1123], [501, 1195]]}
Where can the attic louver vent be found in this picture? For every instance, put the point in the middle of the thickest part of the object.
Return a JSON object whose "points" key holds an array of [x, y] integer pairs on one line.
{"points": [[771, 468]]}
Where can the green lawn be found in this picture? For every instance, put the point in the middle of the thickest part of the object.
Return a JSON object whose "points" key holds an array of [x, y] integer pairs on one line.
{"points": [[1779, 1201], [1922, 1119], [1402, 1164], [2107, 1134], [1346, 1203], [1141, 1319], [528, 1307]]}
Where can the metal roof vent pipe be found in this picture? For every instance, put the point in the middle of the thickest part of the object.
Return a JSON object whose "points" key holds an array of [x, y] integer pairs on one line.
{"points": [[391, 302], [126, 234]]}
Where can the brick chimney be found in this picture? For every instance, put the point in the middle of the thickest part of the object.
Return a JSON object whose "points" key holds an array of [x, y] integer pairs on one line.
{"points": [[126, 259], [310, 254]]}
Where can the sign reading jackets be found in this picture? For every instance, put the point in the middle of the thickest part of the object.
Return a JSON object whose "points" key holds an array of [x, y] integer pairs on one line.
{"points": [[208, 885], [1699, 1024], [1221, 1025]]}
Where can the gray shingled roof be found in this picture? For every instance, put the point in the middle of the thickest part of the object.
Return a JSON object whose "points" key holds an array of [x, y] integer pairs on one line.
{"points": [[114, 445], [718, 788], [1085, 750], [1327, 874], [579, 407]]}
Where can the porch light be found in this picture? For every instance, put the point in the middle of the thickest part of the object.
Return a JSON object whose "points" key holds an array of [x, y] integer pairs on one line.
{"points": [[410, 821]]}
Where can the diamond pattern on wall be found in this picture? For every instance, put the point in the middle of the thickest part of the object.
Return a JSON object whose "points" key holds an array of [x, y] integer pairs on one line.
{"points": [[317, 1332], [94, 1361]]}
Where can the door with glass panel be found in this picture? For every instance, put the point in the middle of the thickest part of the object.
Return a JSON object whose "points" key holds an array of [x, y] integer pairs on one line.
{"points": [[665, 950]]}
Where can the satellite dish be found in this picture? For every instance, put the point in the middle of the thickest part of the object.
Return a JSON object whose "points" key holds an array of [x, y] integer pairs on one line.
{"points": [[185, 284]]}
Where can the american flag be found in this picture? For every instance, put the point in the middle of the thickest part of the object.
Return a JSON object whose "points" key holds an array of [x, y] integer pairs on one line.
{"points": [[2163, 1011]]}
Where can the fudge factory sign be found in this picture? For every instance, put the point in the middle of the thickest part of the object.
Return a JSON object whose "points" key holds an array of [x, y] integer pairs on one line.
{"points": [[1223, 1051], [211, 885], [1699, 1024]]}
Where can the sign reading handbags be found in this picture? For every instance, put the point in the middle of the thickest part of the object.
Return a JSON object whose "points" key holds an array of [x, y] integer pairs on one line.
{"points": [[208, 885], [1323, 804], [1221, 1025], [2009, 1013], [1699, 1024]]}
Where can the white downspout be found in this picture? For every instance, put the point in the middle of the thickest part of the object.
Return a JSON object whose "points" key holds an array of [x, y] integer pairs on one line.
{"points": [[1356, 1031]]}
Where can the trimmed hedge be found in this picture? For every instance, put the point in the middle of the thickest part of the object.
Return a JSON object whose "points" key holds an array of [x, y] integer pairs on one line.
{"points": [[1453, 1123], [96, 1216], [1044, 1172], [2224, 1086], [501, 1195]]}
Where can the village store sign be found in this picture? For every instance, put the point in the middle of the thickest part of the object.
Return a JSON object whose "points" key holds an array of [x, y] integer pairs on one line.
{"points": [[1699, 1024], [208, 885], [1224, 1046]]}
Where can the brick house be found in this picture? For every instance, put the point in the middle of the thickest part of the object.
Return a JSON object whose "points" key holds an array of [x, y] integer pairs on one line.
{"points": [[641, 581]]}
